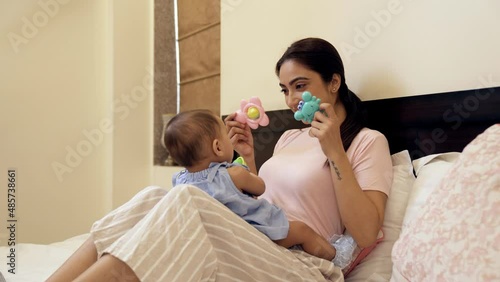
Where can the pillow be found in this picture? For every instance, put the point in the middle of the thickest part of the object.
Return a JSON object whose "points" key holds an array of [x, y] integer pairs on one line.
{"points": [[377, 265], [429, 170], [456, 234]]}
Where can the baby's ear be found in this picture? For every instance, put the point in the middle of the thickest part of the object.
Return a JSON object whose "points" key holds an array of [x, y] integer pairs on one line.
{"points": [[216, 147]]}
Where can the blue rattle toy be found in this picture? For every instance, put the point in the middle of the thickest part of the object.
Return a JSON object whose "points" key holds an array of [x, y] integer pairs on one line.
{"points": [[307, 107]]}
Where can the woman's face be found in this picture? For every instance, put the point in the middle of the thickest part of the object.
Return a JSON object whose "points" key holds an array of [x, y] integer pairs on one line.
{"points": [[295, 79]]}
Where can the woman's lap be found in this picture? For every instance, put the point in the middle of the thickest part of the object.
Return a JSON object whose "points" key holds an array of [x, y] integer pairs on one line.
{"points": [[185, 235]]}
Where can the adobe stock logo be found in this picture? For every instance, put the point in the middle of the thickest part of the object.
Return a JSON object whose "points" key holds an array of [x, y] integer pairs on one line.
{"points": [[93, 138], [30, 26], [229, 6], [363, 36], [455, 115]]}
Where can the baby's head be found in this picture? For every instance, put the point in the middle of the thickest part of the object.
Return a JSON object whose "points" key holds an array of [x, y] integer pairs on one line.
{"points": [[197, 135]]}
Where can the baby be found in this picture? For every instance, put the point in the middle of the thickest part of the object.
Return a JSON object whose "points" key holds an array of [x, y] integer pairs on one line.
{"points": [[198, 141]]}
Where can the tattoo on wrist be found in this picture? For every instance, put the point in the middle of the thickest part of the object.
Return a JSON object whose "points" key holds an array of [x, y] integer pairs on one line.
{"points": [[337, 171]]}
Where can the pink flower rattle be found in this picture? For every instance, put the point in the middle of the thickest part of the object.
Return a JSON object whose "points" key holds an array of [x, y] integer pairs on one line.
{"points": [[252, 112]]}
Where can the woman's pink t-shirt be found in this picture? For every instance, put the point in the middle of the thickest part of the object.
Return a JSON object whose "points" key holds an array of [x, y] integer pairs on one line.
{"points": [[299, 181]]}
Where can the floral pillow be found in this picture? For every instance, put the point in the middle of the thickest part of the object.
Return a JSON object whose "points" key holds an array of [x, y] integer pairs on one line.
{"points": [[456, 235]]}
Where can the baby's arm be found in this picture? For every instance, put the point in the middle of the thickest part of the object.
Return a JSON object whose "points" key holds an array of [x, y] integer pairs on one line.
{"points": [[246, 181]]}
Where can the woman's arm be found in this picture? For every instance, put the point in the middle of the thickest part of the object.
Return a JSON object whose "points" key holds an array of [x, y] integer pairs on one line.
{"points": [[362, 212], [247, 181], [242, 140]]}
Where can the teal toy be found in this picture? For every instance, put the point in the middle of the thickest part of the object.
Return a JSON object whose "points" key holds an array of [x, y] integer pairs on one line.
{"points": [[307, 107]]}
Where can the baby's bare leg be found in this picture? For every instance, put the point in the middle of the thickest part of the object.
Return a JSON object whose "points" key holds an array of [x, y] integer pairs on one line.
{"points": [[301, 234]]}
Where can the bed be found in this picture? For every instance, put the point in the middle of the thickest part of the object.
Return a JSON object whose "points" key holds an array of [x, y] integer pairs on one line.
{"points": [[422, 241]]}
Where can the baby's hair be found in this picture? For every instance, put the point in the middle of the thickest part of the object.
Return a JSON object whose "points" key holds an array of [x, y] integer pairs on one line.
{"points": [[189, 134]]}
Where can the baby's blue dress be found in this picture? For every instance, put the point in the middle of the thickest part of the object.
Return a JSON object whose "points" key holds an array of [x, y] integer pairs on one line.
{"points": [[215, 180]]}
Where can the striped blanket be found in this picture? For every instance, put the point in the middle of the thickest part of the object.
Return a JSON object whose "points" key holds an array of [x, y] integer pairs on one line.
{"points": [[185, 235]]}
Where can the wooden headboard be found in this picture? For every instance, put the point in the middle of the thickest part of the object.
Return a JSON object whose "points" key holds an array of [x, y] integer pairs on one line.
{"points": [[423, 125]]}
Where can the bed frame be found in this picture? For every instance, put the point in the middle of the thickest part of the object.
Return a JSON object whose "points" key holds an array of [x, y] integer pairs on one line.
{"points": [[423, 125]]}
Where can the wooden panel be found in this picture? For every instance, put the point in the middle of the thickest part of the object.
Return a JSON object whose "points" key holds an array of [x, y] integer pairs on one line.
{"points": [[200, 54], [435, 123], [202, 94], [196, 14]]}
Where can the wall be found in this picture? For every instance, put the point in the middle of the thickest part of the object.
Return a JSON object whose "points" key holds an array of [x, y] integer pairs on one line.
{"points": [[162, 175], [133, 67], [76, 111], [390, 48]]}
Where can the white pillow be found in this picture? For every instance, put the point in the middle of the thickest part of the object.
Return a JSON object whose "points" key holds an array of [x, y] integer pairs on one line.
{"points": [[430, 171], [377, 266], [455, 234]]}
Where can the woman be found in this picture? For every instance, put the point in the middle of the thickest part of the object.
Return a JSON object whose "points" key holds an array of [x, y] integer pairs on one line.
{"points": [[334, 175], [342, 175]]}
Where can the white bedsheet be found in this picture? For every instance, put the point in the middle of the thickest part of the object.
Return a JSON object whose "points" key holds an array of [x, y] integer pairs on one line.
{"points": [[36, 262]]}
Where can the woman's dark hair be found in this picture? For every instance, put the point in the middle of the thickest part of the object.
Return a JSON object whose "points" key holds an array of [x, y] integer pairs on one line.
{"points": [[320, 56], [188, 134]]}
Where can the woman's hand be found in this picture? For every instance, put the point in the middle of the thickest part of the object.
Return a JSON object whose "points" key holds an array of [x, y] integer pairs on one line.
{"points": [[326, 127], [241, 137]]}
